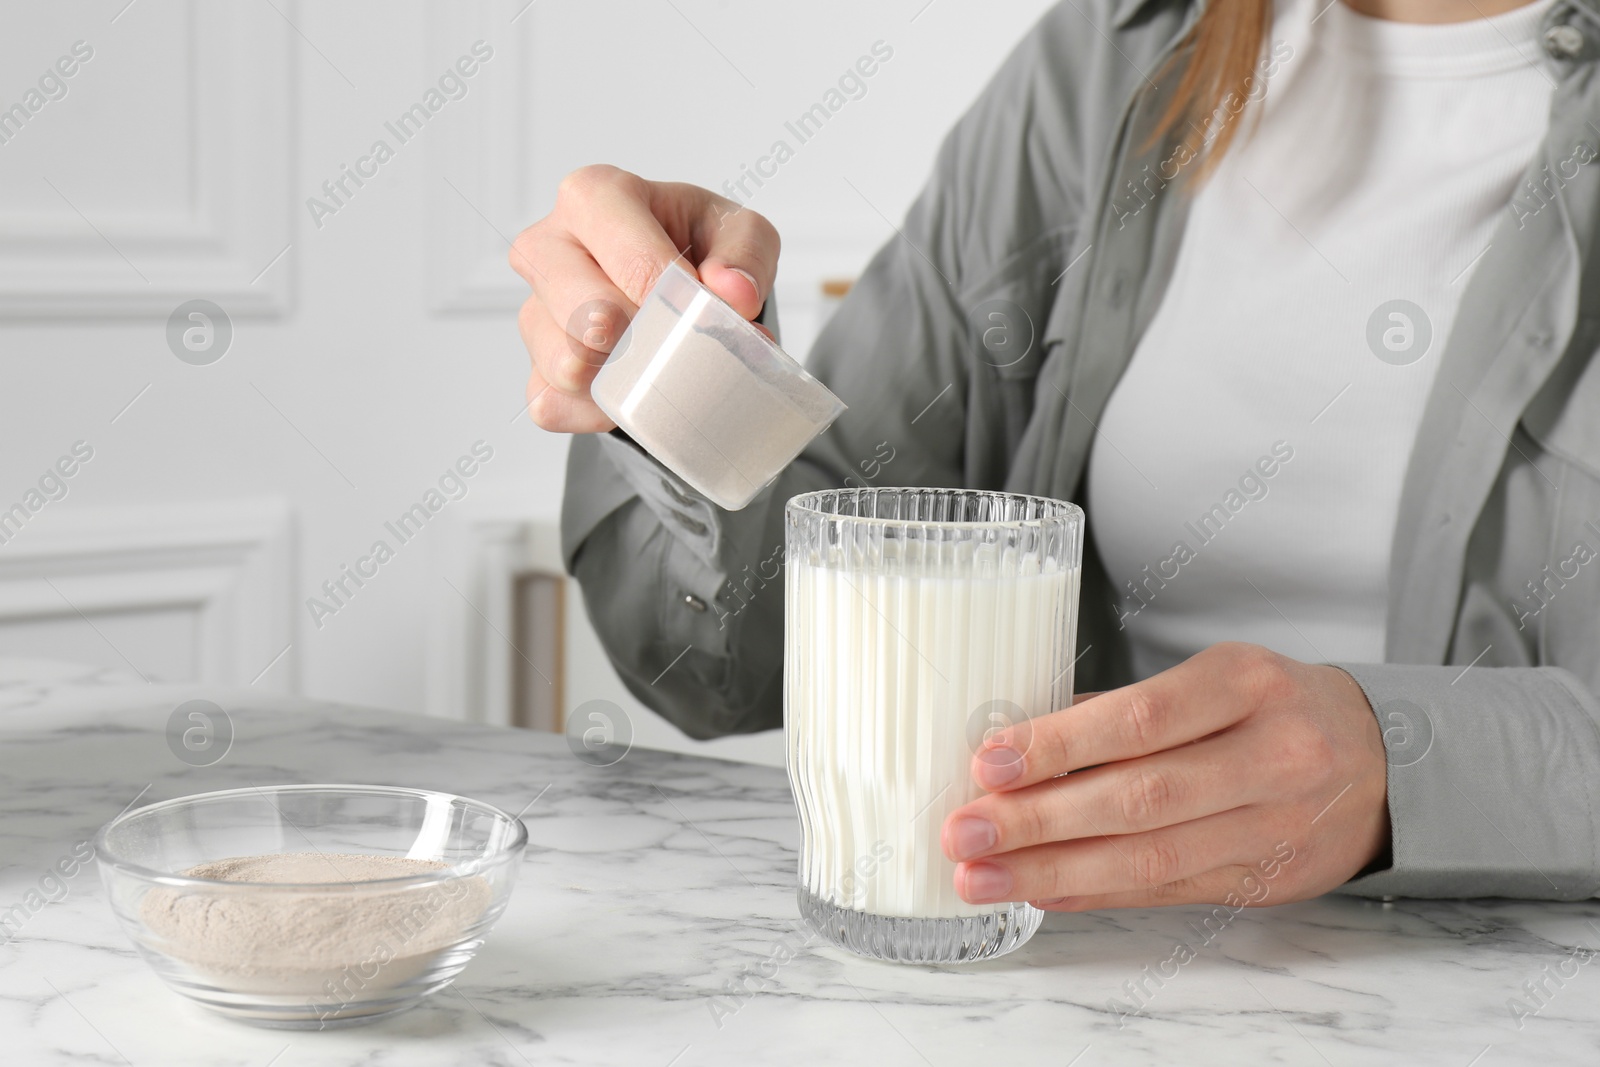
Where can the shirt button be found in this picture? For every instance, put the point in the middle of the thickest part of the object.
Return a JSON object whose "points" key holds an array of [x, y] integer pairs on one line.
{"points": [[1119, 285], [693, 603], [694, 526], [1563, 42]]}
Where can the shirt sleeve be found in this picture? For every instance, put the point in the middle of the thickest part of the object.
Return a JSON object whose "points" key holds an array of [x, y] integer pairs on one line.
{"points": [[1491, 782]]}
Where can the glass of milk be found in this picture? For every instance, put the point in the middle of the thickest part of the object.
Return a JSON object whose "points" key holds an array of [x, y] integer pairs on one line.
{"points": [[917, 621]]}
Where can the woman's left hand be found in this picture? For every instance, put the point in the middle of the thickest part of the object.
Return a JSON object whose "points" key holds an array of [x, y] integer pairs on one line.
{"points": [[1237, 776]]}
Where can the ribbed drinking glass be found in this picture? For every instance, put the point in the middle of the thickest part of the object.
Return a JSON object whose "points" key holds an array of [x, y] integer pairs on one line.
{"points": [[917, 621]]}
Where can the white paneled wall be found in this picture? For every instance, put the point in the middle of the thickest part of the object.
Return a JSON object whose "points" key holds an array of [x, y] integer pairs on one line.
{"points": [[373, 329]]}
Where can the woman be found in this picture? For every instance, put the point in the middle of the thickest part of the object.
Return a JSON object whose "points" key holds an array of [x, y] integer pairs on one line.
{"points": [[1299, 304]]}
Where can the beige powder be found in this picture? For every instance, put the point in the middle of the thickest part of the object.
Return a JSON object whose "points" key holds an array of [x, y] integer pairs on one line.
{"points": [[329, 947], [703, 412]]}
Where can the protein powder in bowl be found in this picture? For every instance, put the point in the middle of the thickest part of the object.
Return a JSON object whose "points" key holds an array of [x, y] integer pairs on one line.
{"points": [[310, 906], [709, 395]]}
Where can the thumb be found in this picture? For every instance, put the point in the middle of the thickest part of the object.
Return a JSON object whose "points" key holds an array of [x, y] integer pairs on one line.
{"points": [[735, 285], [742, 261]]}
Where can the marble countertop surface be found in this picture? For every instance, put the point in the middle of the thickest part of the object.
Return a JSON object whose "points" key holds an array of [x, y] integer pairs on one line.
{"points": [[654, 925]]}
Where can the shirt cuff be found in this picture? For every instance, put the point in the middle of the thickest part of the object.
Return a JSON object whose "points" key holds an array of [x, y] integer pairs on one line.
{"points": [[1489, 782], [693, 520]]}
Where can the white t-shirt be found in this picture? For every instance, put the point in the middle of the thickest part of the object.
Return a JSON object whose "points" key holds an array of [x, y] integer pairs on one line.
{"points": [[1245, 481]]}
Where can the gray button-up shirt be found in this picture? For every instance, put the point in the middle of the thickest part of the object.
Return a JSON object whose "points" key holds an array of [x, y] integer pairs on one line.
{"points": [[1048, 207]]}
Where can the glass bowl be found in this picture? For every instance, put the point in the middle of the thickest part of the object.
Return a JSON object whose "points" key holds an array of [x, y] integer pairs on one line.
{"points": [[310, 906]]}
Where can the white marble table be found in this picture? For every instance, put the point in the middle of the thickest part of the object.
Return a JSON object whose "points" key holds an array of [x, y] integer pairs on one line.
{"points": [[655, 924]]}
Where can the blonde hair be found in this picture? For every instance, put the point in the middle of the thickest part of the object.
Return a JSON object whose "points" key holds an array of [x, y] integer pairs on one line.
{"points": [[1225, 45]]}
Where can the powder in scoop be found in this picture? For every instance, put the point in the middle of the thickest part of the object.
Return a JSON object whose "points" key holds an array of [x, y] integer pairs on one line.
{"points": [[687, 397], [329, 947]]}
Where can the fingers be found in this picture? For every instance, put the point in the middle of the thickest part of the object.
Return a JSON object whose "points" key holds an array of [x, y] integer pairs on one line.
{"points": [[565, 408], [1129, 863], [1234, 885], [593, 259], [574, 289], [609, 213], [560, 413], [1132, 796], [633, 228], [1205, 693], [569, 356]]}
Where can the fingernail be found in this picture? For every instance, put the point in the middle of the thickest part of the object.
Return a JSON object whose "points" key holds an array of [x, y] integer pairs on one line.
{"points": [[1047, 903], [747, 276], [971, 836], [987, 883], [997, 766]]}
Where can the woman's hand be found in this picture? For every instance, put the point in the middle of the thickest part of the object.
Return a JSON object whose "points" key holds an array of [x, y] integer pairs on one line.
{"points": [[591, 261], [1235, 766]]}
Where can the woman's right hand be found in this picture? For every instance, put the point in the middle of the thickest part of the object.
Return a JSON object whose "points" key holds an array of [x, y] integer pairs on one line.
{"points": [[591, 261]]}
